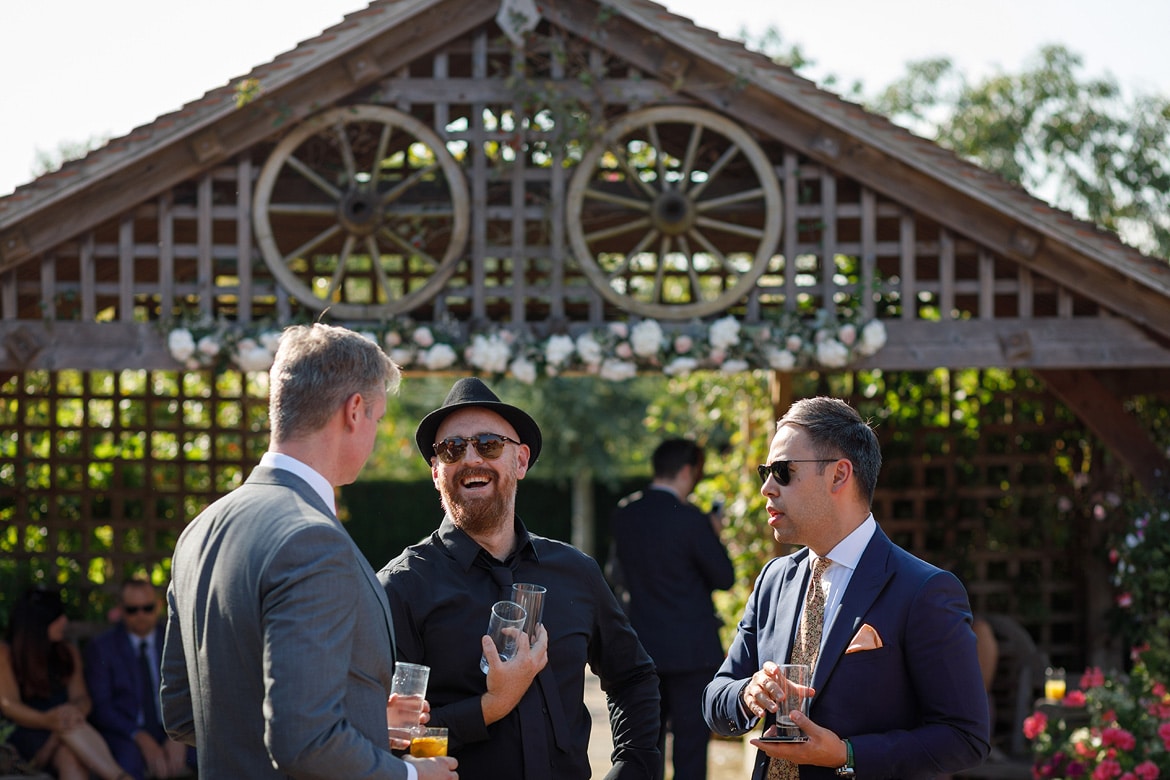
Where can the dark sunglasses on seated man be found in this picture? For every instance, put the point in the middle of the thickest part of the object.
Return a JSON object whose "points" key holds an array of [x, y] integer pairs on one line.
{"points": [[779, 469], [489, 445]]}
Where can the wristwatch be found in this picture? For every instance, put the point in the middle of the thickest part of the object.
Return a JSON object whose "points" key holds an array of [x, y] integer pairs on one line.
{"points": [[847, 769]]}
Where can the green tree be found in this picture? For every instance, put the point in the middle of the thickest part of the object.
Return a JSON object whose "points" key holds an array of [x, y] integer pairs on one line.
{"points": [[1081, 143]]}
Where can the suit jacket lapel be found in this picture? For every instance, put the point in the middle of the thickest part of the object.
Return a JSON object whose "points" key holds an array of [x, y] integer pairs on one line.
{"points": [[793, 584], [866, 584]]}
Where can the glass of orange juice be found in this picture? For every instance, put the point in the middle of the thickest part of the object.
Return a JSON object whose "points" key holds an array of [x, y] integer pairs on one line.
{"points": [[432, 741], [1054, 684]]}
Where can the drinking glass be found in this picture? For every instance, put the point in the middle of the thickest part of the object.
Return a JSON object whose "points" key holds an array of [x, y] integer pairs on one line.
{"points": [[1054, 684], [505, 628], [404, 711], [431, 741], [531, 597], [796, 677]]}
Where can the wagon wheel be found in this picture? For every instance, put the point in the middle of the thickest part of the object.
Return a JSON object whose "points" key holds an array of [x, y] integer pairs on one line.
{"points": [[674, 213], [361, 210]]}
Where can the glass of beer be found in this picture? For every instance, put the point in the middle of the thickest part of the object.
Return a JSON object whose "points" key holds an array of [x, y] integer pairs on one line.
{"points": [[432, 741]]}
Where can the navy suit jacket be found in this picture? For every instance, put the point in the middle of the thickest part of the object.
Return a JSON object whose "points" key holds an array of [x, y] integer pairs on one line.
{"points": [[112, 676], [913, 708], [671, 560]]}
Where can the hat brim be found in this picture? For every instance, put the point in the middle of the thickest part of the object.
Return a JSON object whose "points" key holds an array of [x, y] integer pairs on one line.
{"points": [[526, 428]]}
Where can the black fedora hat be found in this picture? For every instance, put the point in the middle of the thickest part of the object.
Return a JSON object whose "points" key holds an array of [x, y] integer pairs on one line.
{"points": [[471, 391]]}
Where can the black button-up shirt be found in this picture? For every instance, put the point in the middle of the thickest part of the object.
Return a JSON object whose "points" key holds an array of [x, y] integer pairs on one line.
{"points": [[441, 592]]}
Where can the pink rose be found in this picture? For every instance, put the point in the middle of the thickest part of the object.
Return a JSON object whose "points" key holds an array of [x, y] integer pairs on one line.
{"points": [[1035, 724]]}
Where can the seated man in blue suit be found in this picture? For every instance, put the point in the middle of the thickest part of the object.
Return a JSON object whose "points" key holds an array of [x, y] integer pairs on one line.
{"points": [[125, 699], [896, 681]]}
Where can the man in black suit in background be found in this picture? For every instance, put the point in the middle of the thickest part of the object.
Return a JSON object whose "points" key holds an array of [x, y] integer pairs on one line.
{"points": [[669, 560]]}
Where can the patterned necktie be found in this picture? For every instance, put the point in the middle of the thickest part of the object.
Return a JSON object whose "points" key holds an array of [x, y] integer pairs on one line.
{"points": [[805, 649]]}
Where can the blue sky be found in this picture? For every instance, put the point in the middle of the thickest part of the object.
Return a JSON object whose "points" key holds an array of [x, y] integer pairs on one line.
{"points": [[76, 69]]}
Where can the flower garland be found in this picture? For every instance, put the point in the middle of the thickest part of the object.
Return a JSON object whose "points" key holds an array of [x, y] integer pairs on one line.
{"points": [[616, 352]]}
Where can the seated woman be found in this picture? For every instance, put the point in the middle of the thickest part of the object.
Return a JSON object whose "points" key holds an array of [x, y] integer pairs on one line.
{"points": [[42, 691]]}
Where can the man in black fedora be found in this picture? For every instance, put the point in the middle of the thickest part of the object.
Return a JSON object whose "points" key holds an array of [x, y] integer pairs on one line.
{"points": [[526, 717]]}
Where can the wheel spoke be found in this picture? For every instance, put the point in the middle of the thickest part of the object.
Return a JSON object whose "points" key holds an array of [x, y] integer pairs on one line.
{"points": [[380, 154], [730, 227], [295, 163], [416, 211], [632, 174], [714, 171], [339, 271], [618, 200], [711, 249], [303, 209], [729, 200], [696, 290], [407, 247], [638, 249], [617, 230], [346, 151], [660, 271], [320, 238], [379, 271], [659, 164], [692, 152], [396, 192]]}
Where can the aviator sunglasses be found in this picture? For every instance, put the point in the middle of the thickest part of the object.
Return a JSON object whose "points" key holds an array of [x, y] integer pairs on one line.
{"points": [[489, 445], [779, 469], [134, 609]]}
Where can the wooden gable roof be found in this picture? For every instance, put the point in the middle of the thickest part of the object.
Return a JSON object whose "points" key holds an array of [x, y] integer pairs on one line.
{"points": [[688, 65]]}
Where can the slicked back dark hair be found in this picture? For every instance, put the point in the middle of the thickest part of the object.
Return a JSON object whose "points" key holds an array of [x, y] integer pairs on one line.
{"points": [[836, 430]]}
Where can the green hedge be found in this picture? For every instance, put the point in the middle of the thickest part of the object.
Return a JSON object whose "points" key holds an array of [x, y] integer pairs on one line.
{"points": [[386, 517]]}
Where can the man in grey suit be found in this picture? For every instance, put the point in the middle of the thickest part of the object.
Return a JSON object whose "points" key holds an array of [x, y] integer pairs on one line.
{"points": [[279, 647]]}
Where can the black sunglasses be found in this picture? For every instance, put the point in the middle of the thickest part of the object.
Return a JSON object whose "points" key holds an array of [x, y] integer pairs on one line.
{"points": [[134, 610], [779, 469], [489, 445]]}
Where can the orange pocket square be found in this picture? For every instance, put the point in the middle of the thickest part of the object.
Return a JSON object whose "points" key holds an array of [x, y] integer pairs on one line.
{"points": [[866, 638]]}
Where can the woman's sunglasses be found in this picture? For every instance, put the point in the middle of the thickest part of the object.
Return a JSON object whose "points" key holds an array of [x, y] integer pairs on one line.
{"points": [[780, 472], [489, 445]]}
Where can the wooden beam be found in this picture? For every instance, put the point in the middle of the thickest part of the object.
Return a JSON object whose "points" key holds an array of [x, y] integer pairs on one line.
{"points": [[1105, 416]]}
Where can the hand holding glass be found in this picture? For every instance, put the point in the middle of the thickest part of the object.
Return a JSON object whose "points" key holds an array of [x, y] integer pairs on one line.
{"points": [[795, 678], [505, 627], [408, 689]]}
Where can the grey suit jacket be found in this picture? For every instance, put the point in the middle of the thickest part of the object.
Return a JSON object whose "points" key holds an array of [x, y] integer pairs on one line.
{"points": [[279, 647]]}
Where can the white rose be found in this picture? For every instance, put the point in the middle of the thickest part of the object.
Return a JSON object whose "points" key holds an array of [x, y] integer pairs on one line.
{"points": [[588, 349], [558, 350], [489, 353], [832, 353], [423, 337], [793, 343], [619, 329], [683, 344], [847, 334], [181, 344], [724, 333], [624, 350], [402, 356], [438, 357], [646, 338], [523, 369], [780, 359], [270, 339], [873, 337], [618, 370], [252, 357], [208, 346], [680, 366], [392, 339], [734, 366]]}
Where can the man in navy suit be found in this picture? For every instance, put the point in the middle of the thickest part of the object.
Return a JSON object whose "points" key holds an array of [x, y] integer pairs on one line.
{"points": [[898, 693], [669, 560], [118, 687]]}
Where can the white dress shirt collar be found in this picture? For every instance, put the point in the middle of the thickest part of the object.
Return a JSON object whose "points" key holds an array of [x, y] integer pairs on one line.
{"points": [[320, 485]]}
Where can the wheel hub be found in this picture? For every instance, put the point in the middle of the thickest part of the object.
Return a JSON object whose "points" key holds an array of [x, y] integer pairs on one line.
{"points": [[673, 213], [360, 211]]}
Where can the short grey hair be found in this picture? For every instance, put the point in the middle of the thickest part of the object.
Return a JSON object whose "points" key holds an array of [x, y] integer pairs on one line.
{"points": [[838, 431], [315, 369]]}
